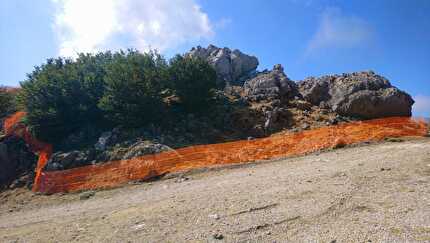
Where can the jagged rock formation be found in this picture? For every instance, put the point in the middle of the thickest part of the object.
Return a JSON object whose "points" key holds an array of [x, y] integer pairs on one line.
{"points": [[16, 161], [77, 158], [247, 104], [144, 147], [270, 86], [72, 159], [363, 95], [232, 67]]}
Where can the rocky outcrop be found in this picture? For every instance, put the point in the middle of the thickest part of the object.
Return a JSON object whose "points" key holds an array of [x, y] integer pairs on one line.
{"points": [[77, 158], [232, 67], [363, 95], [248, 104], [144, 147], [69, 160], [16, 160], [107, 139], [271, 86]]}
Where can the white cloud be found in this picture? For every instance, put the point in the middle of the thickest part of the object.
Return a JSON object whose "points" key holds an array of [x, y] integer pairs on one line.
{"points": [[94, 25], [421, 106], [338, 30], [223, 23]]}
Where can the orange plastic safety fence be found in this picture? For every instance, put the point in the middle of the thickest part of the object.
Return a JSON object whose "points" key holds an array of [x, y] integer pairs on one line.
{"points": [[14, 127], [281, 145]]}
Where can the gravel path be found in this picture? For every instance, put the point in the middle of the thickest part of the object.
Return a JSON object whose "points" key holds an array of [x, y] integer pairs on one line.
{"points": [[373, 193]]}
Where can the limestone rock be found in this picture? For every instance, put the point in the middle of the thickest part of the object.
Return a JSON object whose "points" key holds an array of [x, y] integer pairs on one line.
{"points": [[232, 67], [144, 147], [107, 138], [103, 141], [363, 95], [69, 160], [271, 86]]}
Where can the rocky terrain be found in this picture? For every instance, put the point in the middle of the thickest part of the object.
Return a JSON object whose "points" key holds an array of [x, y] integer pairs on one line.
{"points": [[373, 193], [248, 104], [363, 94], [16, 162]]}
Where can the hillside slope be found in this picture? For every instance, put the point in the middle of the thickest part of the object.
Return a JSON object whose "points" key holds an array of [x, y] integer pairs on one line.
{"points": [[377, 193]]}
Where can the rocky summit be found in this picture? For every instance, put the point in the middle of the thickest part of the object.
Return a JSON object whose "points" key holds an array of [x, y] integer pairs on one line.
{"points": [[360, 94], [363, 95], [232, 66], [271, 85]]}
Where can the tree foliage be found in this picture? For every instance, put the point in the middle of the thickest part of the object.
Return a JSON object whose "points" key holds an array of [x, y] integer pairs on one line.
{"points": [[193, 80], [7, 102], [62, 95], [123, 88], [134, 82]]}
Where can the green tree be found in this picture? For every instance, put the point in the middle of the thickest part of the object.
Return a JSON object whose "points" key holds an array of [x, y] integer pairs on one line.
{"points": [[62, 95], [128, 88], [7, 102], [134, 82], [193, 80]]}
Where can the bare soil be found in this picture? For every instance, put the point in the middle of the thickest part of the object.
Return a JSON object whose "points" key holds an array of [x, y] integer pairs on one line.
{"points": [[373, 193]]}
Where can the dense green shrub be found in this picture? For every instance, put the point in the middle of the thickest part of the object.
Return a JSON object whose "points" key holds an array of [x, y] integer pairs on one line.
{"points": [[7, 102], [124, 88], [193, 80], [134, 82], [62, 95]]}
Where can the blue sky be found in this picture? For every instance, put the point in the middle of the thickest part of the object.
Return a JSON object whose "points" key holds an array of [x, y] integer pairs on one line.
{"points": [[309, 37]]}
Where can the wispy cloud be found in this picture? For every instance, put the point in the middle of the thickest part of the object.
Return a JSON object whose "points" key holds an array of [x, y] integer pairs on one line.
{"points": [[337, 30], [223, 23], [93, 25], [421, 106]]}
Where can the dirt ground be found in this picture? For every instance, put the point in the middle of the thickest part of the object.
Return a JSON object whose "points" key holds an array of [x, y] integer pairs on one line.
{"points": [[372, 193]]}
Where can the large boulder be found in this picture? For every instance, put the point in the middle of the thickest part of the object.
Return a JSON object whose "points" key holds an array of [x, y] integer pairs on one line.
{"points": [[77, 158], [68, 160], [364, 95], [16, 160], [232, 67], [141, 148], [270, 86]]}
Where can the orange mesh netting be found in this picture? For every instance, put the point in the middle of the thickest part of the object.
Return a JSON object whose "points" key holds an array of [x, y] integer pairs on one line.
{"points": [[13, 127], [119, 172], [115, 173]]}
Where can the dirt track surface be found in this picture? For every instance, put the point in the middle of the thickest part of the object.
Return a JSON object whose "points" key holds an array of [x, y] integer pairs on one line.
{"points": [[374, 193]]}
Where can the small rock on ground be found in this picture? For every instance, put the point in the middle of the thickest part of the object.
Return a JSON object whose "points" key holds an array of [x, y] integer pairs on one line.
{"points": [[86, 195]]}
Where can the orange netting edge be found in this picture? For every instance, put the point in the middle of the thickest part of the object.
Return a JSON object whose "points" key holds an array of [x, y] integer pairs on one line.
{"points": [[114, 173], [14, 127]]}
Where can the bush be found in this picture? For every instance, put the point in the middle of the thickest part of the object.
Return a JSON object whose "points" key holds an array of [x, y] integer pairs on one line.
{"points": [[7, 102], [193, 80], [134, 82], [62, 95], [128, 88]]}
